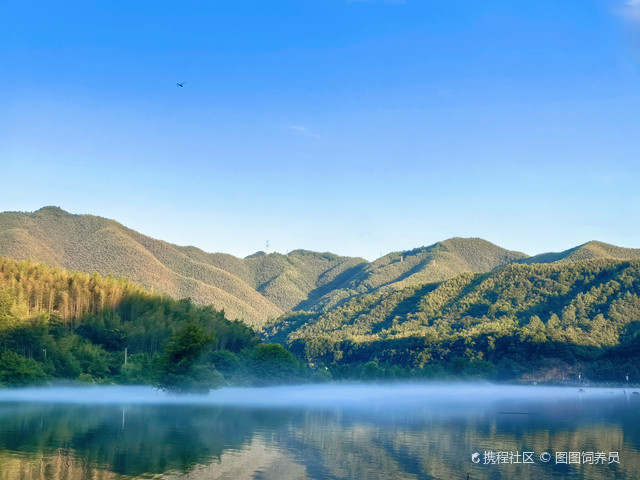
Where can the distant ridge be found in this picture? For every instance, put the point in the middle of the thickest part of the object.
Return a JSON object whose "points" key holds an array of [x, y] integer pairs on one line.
{"points": [[260, 286], [435, 263], [253, 289], [586, 251]]}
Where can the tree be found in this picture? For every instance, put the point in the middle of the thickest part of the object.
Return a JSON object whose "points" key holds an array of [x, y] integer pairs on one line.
{"points": [[178, 365], [271, 362], [534, 331], [18, 370]]}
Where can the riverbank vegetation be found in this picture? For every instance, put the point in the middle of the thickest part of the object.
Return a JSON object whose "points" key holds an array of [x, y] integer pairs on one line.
{"points": [[57, 325], [542, 322]]}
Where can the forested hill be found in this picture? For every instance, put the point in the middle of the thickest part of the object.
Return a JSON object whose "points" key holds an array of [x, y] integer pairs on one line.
{"points": [[58, 325], [517, 319], [397, 270], [252, 289], [587, 251], [261, 286]]}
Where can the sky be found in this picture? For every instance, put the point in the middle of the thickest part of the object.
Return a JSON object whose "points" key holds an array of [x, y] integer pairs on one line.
{"points": [[356, 127]]}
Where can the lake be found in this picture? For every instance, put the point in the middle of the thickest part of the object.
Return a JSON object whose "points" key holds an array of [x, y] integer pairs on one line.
{"points": [[329, 431]]}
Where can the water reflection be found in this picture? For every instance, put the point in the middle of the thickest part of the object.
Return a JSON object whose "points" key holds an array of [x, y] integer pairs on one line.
{"points": [[372, 432]]}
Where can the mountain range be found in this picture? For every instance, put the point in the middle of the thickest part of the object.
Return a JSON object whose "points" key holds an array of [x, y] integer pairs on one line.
{"points": [[261, 286]]}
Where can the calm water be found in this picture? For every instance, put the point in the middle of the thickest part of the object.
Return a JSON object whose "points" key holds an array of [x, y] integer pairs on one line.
{"points": [[320, 432]]}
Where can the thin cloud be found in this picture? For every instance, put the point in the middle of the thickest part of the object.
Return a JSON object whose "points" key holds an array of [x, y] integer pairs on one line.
{"points": [[631, 9], [303, 131]]}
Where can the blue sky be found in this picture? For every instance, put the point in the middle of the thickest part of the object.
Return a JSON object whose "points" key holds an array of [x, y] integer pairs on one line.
{"points": [[357, 127]]}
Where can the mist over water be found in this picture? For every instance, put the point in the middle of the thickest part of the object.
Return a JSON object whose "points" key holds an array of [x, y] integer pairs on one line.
{"points": [[359, 395], [329, 431]]}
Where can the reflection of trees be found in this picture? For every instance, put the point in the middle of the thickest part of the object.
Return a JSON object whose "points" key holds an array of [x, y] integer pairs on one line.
{"points": [[407, 445], [130, 440], [73, 442]]}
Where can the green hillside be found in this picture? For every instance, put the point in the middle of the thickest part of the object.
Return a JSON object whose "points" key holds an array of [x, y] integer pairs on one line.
{"points": [[260, 287], [89, 243], [434, 263], [62, 325], [288, 280], [517, 319], [253, 289], [587, 251]]}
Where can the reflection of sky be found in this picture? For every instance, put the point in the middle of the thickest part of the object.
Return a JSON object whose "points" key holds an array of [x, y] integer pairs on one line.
{"points": [[354, 127]]}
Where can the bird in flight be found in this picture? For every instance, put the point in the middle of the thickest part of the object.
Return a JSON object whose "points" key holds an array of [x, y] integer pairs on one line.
{"points": [[180, 84]]}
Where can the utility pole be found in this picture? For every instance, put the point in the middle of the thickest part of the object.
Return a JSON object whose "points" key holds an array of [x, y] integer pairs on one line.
{"points": [[125, 356]]}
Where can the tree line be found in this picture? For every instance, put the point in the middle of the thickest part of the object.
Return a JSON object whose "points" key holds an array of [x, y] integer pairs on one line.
{"points": [[58, 325]]}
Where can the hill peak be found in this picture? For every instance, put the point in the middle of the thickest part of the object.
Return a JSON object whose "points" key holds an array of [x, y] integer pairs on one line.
{"points": [[52, 210], [456, 242], [586, 251], [257, 254], [596, 244]]}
